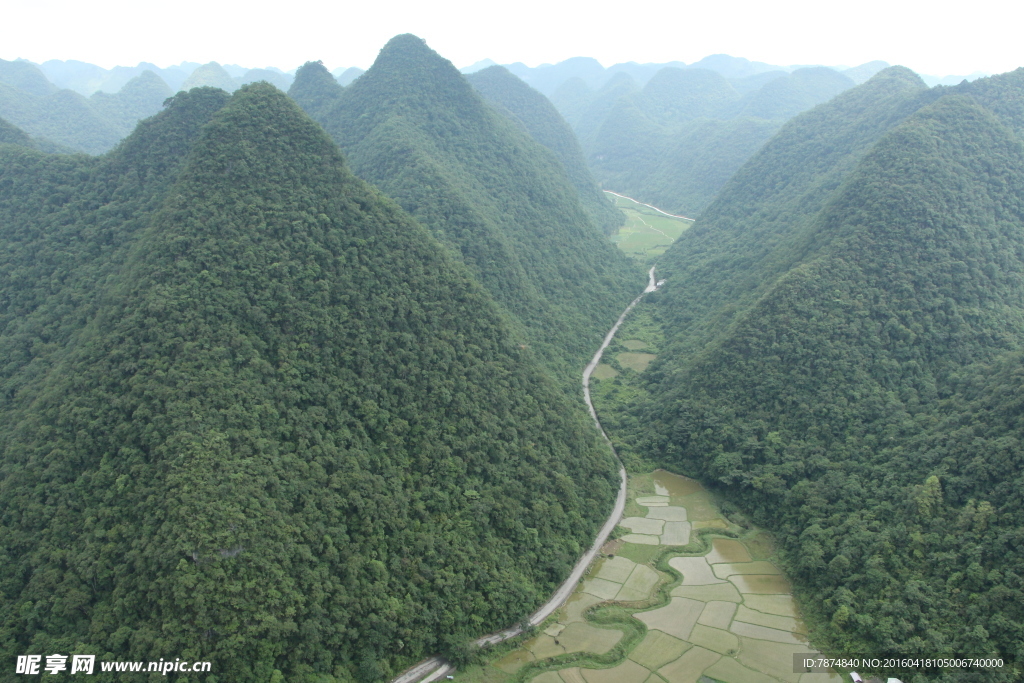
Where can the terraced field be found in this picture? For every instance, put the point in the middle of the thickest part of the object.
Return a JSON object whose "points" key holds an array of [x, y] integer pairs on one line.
{"points": [[681, 596]]}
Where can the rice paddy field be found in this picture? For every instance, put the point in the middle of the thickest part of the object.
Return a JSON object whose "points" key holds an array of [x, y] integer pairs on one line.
{"points": [[647, 233], [680, 596]]}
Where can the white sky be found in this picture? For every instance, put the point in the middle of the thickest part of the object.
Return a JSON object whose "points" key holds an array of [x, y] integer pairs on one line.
{"points": [[936, 38]]}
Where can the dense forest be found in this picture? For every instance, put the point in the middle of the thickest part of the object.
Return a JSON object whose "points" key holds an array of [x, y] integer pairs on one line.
{"points": [[502, 202], [252, 412], [544, 124], [842, 357]]}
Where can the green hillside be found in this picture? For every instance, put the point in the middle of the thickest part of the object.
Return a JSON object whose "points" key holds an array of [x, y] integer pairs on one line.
{"points": [[414, 126], [840, 332], [140, 97], [74, 122], [545, 125], [12, 135], [62, 116], [253, 413]]}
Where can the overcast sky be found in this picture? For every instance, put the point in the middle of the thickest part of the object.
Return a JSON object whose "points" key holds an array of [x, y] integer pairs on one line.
{"points": [[931, 38]]}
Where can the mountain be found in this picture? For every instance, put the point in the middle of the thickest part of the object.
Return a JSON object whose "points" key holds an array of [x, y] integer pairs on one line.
{"points": [[547, 77], [346, 76], [71, 121], [842, 337], [785, 97], [26, 77], [859, 74], [676, 141], [63, 116], [478, 66], [545, 125], [86, 79], [140, 98], [277, 79], [12, 135], [212, 75], [252, 413], [415, 127], [316, 90]]}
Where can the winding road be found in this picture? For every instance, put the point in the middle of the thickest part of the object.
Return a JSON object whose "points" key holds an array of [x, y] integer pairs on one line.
{"points": [[437, 668]]}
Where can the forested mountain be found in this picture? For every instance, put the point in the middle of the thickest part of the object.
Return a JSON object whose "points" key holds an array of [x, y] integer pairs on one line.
{"points": [[140, 98], [415, 127], [544, 124], [843, 352], [678, 139], [93, 125], [12, 135], [251, 412]]}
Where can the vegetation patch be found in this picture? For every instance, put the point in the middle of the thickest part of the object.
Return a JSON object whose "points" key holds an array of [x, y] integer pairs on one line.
{"points": [[643, 525], [604, 371], [634, 344], [715, 639], [602, 588], [672, 513], [616, 569], [718, 614], [774, 659], [627, 672], [582, 637], [727, 569], [695, 570], [635, 361], [750, 616], [783, 605], [727, 550], [658, 649], [641, 539], [639, 585], [641, 554], [764, 633], [676, 533], [677, 618], [765, 585], [719, 591], [646, 234], [701, 506], [514, 661], [689, 667], [575, 607], [728, 669]]}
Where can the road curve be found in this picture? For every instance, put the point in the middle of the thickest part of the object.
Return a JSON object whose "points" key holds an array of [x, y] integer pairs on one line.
{"points": [[436, 668]]}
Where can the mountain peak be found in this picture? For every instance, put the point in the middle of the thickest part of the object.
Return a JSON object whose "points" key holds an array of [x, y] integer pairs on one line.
{"points": [[314, 88]]}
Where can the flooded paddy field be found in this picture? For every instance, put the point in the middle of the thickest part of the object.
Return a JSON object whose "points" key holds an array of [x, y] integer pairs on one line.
{"points": [[681, 596]]}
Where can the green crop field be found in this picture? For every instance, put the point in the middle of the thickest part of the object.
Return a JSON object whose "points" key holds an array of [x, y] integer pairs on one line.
{"points": [[712, 611], [647, 233]]}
